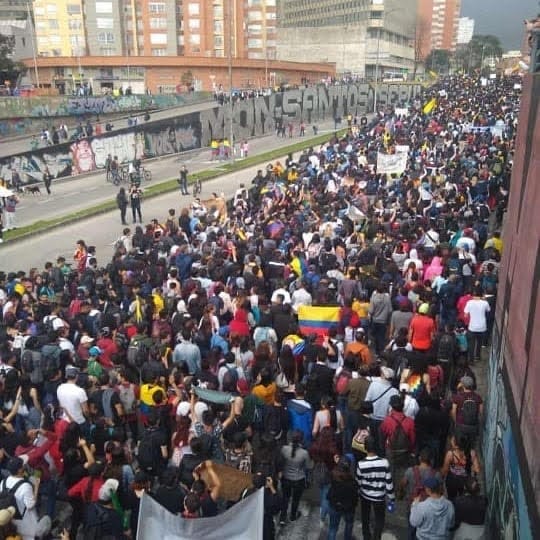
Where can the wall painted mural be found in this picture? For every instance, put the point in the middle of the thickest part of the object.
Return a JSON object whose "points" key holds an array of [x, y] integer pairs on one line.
{"points": [[508, 516], [251, 118]]}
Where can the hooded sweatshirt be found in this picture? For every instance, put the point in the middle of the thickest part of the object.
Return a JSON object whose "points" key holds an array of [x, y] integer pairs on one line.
{"points": [[432, 518]]}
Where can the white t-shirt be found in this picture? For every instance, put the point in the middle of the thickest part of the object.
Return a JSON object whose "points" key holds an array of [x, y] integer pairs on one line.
{"points": [[477, 309], [71, 398]]}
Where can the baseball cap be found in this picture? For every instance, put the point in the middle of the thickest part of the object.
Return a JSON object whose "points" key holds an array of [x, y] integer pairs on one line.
{"points": [[94, 351], [432, 482], [87, 339], [467, 382], [71, 371], [423, 309]]}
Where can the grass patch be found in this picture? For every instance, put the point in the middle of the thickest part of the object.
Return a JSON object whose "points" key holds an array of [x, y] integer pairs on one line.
{"points": [[166, 186]]}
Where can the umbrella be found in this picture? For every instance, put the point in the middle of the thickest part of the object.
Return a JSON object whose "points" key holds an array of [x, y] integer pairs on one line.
{"points": [[5, 192]]}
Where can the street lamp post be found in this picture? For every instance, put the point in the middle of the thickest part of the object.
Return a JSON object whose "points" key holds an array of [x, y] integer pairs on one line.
{"points": [[229, 59], [377, 71], [33, 38]]}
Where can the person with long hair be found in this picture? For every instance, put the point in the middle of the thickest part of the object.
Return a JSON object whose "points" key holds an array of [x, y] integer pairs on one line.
{"points": [[461, 462], [296, 463], [323, 452], [286, 378], [328, 416], [180, 439], [342, 499]]}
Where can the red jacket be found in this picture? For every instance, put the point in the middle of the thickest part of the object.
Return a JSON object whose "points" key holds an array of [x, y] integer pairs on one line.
{"points": [[36, 455], [390, 423]]}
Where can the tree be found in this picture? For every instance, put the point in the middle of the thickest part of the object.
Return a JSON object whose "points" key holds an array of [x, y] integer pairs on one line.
{"points": [[438, 60], [9, 69], [481, 48]]}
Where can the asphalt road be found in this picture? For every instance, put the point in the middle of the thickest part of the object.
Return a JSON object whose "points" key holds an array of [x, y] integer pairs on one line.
{"points": [[16, 145], [101, 231]]}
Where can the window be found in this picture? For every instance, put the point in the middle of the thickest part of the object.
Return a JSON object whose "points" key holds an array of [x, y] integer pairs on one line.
{"points": [[51, 8], [103, 7], [39, 11], [106, 73], [105, 37], [255, 43], [41, 25], [104, 23], [218, 27], [219, 53], [194, 39], [218, 41], [158, 52], [107, 51], [194, 24], [75, 40], [156, 7], [74, 9], [158, 39], [55, 40], [53, 24], [193, 9], [156, 22]]}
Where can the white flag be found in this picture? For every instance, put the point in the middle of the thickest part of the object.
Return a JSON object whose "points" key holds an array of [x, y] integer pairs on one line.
{"points": [[391, 163], [244, 521]]}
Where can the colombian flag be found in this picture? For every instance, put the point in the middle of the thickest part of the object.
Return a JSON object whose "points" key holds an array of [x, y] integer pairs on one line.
{"points": [[317, 319], [429, 106]]}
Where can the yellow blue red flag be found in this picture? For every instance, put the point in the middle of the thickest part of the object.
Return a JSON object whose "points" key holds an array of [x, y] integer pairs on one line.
{"points": [[317, 319]]}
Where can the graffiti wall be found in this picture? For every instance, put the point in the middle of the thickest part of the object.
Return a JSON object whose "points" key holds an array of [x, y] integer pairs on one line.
{"points": [[508, 514], [151, 140], [257, 117], [251, 118]]}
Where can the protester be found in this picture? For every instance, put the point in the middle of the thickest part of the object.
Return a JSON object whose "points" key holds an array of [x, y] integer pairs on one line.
{"points": [[189, 343]]}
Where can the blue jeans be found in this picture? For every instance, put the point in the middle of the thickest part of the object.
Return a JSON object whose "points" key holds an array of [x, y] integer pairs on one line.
{"points": [[325, 505], [335, 518]]}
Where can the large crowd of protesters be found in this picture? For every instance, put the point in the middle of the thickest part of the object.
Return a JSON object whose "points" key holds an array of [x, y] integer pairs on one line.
{"points": [[148, 372]]}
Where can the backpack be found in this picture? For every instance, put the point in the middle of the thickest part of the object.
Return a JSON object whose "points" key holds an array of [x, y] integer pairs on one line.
{"points": [[342, 381], [463, 344], [7, 497], [398, 443], [262, 335], [94, 369], [230, 379], [147, 455], [50, 360], [359, 440], [446, 348], [272, 421], [127, 398], [93, 528], [137, 352], [31, 365], [469, 412], [320, 474]]}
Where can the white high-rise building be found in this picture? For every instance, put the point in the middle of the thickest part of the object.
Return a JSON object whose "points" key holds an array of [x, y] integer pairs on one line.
{"points": [[465, 30]]}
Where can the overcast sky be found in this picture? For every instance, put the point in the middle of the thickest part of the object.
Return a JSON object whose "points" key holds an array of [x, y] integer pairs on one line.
{"points": [[502, 18]]}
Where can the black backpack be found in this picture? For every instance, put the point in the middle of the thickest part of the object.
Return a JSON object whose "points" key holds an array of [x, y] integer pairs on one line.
{"points": [[32, 365], [50, 360], [446, 350], [137, 353], [469, 412], [7, 497], [148, 452]]}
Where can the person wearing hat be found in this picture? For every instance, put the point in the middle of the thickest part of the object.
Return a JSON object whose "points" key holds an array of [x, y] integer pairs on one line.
{"points": [[94, 368], [421, 329], [101, 519], [432, 518], [26, 517], [84, 345], [359, 348]]}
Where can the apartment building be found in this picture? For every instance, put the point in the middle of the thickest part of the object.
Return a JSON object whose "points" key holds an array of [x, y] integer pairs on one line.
{"points": [[367, 38], [439, 20], [465, 30]]}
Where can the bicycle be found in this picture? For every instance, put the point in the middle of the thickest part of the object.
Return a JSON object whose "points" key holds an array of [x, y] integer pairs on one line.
{"points": [[197, 187]]}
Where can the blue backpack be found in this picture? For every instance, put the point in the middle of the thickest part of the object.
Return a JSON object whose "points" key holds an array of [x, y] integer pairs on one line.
{"points": [[301, 419]]}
